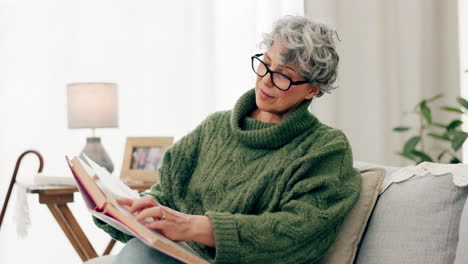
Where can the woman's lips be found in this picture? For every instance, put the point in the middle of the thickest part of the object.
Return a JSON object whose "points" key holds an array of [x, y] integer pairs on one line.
{"points": [[264, 95]]}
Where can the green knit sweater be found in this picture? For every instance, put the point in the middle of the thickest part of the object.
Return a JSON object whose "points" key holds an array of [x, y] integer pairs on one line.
{"points": [[275, 193]]}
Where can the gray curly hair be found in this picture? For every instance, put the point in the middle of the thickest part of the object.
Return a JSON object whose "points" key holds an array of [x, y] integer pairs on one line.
{"points": [[310, 47]]}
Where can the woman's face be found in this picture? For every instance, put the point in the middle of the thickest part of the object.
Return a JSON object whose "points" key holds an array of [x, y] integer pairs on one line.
{"points": [[273, 100]]}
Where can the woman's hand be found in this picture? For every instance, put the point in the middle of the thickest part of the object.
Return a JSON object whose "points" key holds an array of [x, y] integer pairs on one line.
{"points": [[171, 223]]}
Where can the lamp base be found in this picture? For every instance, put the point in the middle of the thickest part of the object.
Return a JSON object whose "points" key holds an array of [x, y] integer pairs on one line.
{"points": [[95, 151]]}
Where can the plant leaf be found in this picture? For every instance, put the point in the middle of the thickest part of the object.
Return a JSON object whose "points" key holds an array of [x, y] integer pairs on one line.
{"points": [[463, 102], [439, 125], [454, 124], [435, 97], [440, 137], [422, 155], [401, 129], [458, 139], [450, 133], [441, 155], [426, 111], [411, 144], [452, 109], [455, 160]]}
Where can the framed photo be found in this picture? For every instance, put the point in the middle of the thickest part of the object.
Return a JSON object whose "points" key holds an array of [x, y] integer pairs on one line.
{"points": [[143, 157]]}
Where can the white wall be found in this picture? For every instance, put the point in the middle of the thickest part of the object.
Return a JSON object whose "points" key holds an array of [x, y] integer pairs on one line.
{"points": [[44, 45], [174, 62], [463, 48]]}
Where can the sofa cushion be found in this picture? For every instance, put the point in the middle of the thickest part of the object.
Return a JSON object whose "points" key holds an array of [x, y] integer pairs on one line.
{"points": [[362, 165], [462, 247], [344, 249], [415, 221]]}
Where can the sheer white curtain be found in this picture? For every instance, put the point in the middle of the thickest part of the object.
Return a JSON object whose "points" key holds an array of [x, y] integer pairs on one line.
{"points": [[463, 43], [393, 54], [238, 29], [174, 62]]}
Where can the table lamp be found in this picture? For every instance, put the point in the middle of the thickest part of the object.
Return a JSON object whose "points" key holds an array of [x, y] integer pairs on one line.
{"points": [[93, 105]]}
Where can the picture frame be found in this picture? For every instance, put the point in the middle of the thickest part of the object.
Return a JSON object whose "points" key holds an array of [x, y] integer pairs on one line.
{"points": [[143, 157]]}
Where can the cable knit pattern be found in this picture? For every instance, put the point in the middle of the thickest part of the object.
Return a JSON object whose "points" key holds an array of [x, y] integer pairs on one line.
{"points": [[275, 193]]}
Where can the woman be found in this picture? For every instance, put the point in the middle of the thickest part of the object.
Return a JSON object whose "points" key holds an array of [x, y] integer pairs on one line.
{"points": [[265, 182]]}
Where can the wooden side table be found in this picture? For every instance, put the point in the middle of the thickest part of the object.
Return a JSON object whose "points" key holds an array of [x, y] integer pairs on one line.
{"points": [[56, 198]]}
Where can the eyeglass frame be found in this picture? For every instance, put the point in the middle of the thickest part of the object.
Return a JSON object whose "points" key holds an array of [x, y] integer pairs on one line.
{"points": [[291, 82]]}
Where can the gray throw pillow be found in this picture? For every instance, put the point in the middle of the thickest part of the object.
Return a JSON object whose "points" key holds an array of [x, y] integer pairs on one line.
{"points": [[462, 247], [415, 222]]}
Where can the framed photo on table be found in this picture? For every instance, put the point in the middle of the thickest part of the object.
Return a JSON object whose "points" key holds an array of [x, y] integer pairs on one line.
{"points": [[143, 157]]}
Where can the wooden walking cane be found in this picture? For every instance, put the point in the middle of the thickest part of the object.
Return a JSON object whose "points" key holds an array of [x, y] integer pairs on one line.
{"points": [[13, 178]]}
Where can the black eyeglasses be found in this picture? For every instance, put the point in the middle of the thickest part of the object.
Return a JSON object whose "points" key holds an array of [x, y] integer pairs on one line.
{"points": [[278, 79]]}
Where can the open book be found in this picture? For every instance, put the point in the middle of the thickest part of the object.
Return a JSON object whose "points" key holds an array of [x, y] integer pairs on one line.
{"points": [[100, 190]]}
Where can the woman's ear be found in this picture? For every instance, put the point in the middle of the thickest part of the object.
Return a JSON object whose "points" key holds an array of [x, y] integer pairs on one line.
{"points": [[314, 89]]}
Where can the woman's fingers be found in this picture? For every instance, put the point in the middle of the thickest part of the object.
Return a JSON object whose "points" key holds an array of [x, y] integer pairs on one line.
{"points": [[154, 212], [170, 223], [124, 201], [158, 225], [142, 203]]}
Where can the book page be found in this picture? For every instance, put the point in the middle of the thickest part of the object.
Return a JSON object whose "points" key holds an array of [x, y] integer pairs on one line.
{"points": [[111, 221], [111, 185], [145, 234], [149, 242]]}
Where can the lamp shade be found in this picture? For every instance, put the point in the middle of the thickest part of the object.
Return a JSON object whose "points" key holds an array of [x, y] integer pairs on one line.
{"points": [[92, 105]]}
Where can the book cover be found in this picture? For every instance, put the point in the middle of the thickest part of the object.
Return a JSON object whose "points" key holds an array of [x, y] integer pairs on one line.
{"points": [[101, 203]]}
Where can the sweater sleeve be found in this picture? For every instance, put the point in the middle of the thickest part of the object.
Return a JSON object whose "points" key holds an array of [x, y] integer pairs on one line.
{"points": [[177, 167], [320, 191]]}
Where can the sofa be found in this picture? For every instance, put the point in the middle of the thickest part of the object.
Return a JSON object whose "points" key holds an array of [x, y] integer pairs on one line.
{"points": [[421, 220]]}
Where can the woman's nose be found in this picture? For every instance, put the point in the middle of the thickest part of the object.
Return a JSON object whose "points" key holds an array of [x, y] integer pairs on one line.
{"points": [[267, 80]]}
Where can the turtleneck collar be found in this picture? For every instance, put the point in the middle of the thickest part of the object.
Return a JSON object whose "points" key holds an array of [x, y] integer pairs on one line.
{"points": [[257, 134]]}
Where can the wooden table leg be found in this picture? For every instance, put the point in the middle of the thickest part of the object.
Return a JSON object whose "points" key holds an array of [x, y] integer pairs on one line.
{"points": [[72, 230], [109, 247]]}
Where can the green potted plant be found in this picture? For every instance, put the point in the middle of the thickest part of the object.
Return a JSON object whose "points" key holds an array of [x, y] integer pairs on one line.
{"points": [[451, 133]]}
